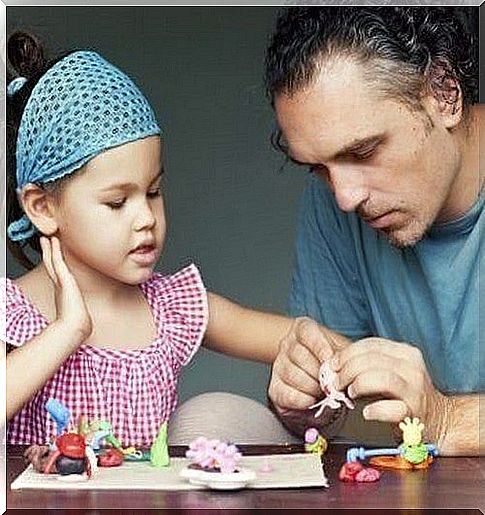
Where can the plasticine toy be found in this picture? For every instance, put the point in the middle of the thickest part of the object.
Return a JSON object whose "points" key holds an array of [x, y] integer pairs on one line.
{"points": [[315, 442], [159, 450], [215, 465], [70, 456], [59, 413], [411, 454], [333, 397]]}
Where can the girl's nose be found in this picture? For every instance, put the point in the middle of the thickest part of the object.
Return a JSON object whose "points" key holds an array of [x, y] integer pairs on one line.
{"points": [[145, 217], [349, 188]]}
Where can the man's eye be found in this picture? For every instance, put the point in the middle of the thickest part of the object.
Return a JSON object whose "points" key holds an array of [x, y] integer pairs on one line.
{"points": [[362, 156], [116, 204], [318, 169]]}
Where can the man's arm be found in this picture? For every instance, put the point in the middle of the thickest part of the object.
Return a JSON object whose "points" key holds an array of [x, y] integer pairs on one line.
{"points": [[462, 432]]}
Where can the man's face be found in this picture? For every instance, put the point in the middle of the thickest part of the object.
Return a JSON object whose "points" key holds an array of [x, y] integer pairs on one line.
{"points": [[394, 166]]}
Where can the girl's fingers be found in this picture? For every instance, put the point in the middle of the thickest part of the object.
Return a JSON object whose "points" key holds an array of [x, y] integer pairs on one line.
{"points": [[46, 247], [60, 266]]}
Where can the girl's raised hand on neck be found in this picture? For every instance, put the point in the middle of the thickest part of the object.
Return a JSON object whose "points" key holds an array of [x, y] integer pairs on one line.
{"points": [[71, 308]]}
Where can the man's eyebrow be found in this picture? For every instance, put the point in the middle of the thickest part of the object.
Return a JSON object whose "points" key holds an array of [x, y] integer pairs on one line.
{"points": [[130, 185], [360, 145], [356, 146]]}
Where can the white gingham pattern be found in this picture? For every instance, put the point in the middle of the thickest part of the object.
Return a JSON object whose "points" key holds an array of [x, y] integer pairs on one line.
{"points": [[135, 390]]}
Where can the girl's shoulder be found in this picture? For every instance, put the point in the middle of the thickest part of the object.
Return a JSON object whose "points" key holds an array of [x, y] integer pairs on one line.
{"points": [[180, 307]]}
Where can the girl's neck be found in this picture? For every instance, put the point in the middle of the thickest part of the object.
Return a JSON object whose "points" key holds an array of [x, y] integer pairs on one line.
{"points": [[95, 286]]}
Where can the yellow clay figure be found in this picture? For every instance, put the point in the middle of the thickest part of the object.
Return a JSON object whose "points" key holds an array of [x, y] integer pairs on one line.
{"points": [[414, 450]]}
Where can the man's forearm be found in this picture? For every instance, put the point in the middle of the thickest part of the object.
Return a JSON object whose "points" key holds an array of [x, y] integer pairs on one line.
{"points": [[462, 426]]}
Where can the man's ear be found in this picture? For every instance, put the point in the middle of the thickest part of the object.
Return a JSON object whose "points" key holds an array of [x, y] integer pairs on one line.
{"points": [[40, 207], [445, 92]]}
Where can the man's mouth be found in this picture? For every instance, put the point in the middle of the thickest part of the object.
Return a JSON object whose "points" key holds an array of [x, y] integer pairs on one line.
{"points": [[382, 221]]}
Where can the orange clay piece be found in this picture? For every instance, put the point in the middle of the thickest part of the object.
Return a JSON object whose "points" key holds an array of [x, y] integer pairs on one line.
{"points": [[398, 463]]}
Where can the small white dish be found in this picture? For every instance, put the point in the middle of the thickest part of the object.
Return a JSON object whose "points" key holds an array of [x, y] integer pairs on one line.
{"points": [[218, 480]]}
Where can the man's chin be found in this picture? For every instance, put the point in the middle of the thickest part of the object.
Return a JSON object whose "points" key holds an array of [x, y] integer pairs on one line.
{"points": [[407, 236]]}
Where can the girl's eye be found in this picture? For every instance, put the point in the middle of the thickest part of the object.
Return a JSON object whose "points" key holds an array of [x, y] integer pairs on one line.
{"points": [[116, 204], [154, 193]]}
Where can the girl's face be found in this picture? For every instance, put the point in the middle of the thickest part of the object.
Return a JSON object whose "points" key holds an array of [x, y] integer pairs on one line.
{"points": [[110, 217]]}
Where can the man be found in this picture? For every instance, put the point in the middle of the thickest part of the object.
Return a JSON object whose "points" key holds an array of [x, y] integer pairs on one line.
{"points": [[380, 104]]}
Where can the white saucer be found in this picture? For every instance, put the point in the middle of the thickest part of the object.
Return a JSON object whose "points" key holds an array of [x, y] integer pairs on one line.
{"points": [[218, 480]]}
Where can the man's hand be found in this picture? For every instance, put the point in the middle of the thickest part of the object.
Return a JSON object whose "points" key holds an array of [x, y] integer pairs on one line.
{"points": [[396, 373], [294, 382]]}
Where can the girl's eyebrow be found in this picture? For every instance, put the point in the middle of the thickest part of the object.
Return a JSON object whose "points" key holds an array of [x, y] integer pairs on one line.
{"points": [[128, 186]]}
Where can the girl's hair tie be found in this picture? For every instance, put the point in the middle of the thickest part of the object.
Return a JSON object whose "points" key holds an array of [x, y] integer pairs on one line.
{"points": [[15, 85]]}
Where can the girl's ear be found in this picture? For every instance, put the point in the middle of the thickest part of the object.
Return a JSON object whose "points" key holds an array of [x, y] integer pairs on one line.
{"points": [[40, 207]]}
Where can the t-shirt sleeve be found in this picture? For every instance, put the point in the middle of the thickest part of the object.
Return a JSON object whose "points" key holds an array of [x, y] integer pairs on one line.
{"points": [[182, 311], [325, 282]]}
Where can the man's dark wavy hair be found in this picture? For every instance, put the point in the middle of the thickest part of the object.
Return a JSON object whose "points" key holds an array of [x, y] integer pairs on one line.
{"points": [[407, 49]]}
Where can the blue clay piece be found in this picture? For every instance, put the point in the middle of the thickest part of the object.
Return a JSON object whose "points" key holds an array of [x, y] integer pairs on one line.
{"points": [[66, 466]]}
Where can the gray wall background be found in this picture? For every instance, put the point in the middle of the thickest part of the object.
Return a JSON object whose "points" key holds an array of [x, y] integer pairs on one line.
{"points": [[230, 208]]}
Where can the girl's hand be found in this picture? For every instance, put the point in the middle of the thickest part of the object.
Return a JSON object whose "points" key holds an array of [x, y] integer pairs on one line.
{"points": [[71, 308]]}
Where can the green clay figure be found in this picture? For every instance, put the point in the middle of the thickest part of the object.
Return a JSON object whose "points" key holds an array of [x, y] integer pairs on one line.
{"points": [[159, 450]]}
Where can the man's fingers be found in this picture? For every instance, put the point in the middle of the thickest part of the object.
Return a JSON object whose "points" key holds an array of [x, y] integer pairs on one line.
{"points": [[377, 381], [46, 248], [363, 363], [310, 335], [372, 349], [387, 411], [297, 378], [303, 358], [286, 397]]}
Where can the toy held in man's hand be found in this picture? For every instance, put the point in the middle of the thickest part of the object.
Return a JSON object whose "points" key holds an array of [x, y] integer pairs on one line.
{"points": [[333, 397]]}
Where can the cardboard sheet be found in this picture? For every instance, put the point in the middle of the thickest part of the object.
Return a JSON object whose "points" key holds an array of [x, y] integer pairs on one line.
{"points": [[288, 471]]}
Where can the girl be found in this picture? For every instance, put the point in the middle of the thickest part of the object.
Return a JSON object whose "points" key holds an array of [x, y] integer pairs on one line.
{"points": [[92, 325]]}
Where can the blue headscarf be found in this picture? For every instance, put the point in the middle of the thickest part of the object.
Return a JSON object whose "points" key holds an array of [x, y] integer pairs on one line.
{"points": [[80, 107]]}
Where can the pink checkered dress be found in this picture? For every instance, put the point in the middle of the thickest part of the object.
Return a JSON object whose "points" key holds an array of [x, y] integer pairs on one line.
{"points": [[135, 390]]}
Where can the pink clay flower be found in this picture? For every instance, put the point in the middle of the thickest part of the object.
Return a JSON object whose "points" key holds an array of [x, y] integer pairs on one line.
{"points": [[214, 454]]}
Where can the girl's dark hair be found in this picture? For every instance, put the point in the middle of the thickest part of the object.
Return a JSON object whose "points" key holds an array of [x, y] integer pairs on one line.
{"points": [[25, 58], [407, 49]]}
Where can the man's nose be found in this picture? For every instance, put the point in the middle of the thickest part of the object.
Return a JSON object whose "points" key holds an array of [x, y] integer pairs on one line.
{"points": [[349, 187]]}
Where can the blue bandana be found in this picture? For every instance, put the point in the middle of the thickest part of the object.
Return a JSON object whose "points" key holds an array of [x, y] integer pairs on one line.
{"points": [[80, 107]]}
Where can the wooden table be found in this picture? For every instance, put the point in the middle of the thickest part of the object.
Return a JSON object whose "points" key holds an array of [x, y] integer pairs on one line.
{"points": [[453, 483]]}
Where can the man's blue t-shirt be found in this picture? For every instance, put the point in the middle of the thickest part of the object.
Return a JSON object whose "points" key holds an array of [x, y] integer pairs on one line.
{"points": [[350, 278]]}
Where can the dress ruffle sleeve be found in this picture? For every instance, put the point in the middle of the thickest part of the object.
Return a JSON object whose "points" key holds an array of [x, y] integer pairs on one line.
{"points": [[182, 311], [20, 322]]}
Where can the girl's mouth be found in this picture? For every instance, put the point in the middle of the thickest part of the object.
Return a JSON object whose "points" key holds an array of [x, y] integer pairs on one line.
{"points": [[144, 255]]}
